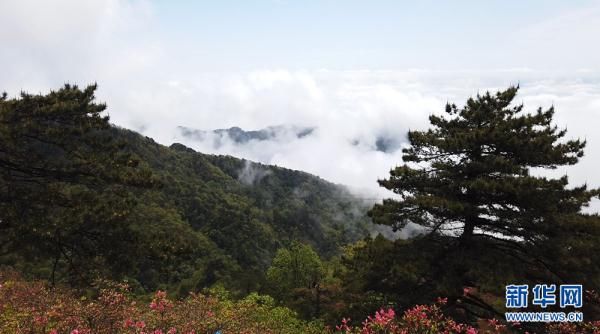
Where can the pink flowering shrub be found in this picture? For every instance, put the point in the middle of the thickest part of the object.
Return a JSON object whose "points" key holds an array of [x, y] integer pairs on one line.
{"points": [[580, 328], [421, 319], [34, 307], [429, 319]]}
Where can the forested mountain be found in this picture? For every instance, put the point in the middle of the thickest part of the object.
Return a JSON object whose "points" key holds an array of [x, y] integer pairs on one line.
{"points": [[90, 199], [85, 204], [212, 191], [249, 210]]}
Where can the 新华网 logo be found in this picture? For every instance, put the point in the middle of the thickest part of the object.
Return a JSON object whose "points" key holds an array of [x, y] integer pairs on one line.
{"points": [[544, 295]]}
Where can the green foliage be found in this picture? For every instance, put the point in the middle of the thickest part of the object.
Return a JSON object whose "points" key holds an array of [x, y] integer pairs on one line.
{"points": [[298, 266], [486, 219], [478, 172], [295, 277], [64, 184], [32, 307], [81, 199], [243, 222]]}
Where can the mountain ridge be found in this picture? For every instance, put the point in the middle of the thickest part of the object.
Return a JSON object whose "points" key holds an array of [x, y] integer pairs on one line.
{"points": [[238, 135], [248, 210]]}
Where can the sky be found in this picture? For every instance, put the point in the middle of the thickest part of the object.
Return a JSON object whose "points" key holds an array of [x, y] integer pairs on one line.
{"points": [[356, 71]]}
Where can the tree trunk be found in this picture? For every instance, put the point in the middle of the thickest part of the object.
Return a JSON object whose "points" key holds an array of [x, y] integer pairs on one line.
{"points": [[467, 235]]}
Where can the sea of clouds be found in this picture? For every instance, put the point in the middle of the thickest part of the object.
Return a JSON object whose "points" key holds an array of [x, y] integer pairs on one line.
{"points": [[351, 110], [149, 89]]}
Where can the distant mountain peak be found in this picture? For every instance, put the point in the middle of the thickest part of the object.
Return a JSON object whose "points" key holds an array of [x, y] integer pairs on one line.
{"points": [[238, 135]]}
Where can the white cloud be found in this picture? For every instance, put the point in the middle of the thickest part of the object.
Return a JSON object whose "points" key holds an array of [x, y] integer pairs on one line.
{"points": [[148, 88], [350, 107], [48, 43]]}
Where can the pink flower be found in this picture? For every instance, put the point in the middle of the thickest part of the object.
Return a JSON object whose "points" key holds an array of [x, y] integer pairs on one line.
{"points": [[40, 320], [172, 330], [496, 324], [128, 323], [383, 317], [344, 325], [160, 302], [471, 330], [140, 324]]}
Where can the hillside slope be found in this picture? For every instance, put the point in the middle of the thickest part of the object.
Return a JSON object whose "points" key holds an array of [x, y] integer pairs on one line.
{"points": [[247, 210], [81, 199]]}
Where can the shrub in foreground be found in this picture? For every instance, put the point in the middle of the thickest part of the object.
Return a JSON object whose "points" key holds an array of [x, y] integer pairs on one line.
{"points": [[34, 307], [429, 319]]}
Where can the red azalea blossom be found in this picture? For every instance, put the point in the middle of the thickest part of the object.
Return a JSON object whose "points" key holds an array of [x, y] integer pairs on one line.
{"points": [[33, 306], [128, 323], [419, 319], [160, 302]]}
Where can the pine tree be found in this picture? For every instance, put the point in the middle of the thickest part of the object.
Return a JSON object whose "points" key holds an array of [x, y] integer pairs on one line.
{"points": [[64, 183], [472, 183]]}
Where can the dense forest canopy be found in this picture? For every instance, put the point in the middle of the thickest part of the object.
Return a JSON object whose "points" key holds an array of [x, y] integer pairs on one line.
{"points": [[82, 198]]}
